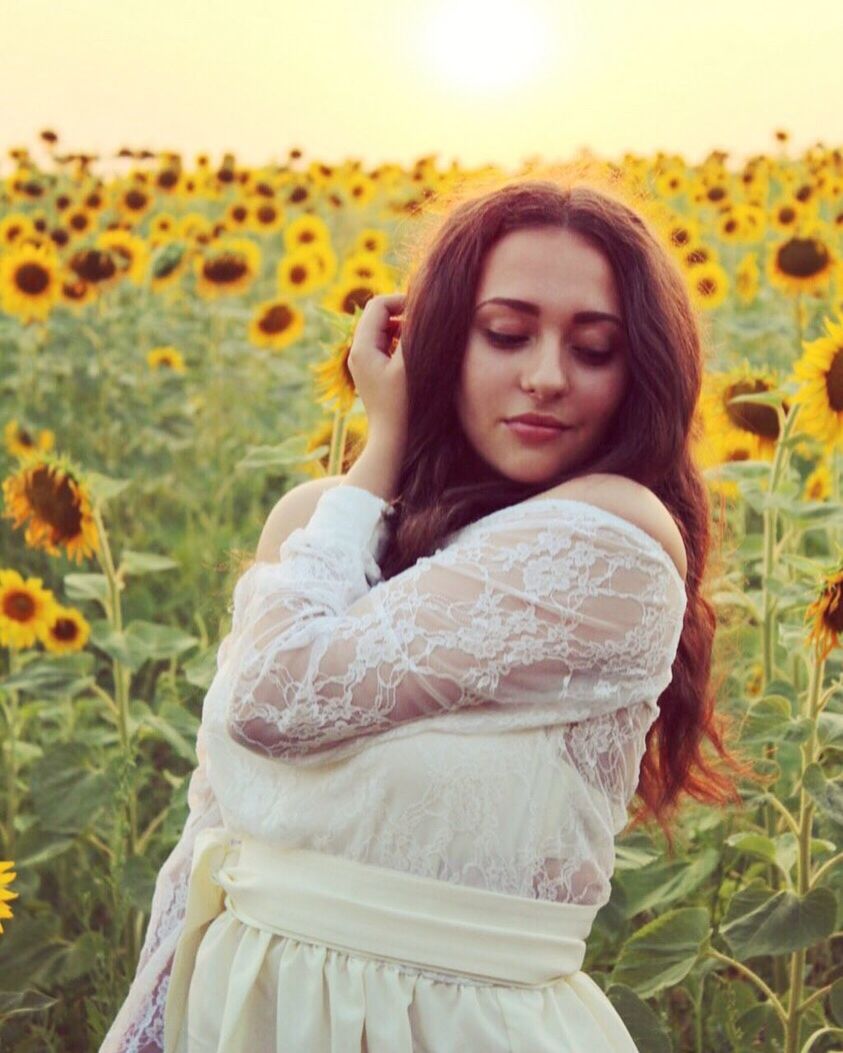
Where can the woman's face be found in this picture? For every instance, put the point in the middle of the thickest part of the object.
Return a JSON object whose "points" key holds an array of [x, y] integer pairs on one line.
{"points": [[549, 361]]}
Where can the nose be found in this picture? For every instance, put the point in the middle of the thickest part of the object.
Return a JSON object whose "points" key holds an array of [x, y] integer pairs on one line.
{"points": [[545, 371]]}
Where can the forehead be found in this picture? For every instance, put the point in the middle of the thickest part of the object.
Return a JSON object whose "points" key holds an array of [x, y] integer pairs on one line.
{"points": [[551, 267]]}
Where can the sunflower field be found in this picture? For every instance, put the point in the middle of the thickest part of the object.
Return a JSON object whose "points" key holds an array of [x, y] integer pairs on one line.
{"points": [[173, 348]]}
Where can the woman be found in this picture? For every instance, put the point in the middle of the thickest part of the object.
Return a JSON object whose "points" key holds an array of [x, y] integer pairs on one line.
{"points": [[440, 695]]}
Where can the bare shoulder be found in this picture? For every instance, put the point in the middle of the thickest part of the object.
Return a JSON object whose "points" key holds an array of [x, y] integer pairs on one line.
{"points": [[291, 511], [632, 501]]}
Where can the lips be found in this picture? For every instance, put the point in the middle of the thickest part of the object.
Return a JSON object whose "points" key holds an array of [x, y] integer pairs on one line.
{"points": [[537, 422]]}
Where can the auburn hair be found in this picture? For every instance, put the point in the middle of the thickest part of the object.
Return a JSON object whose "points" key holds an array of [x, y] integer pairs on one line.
{"points": [[443, 484]]}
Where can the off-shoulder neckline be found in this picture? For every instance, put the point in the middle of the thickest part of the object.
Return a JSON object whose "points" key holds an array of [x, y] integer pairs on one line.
{"points": [[598, 512]]}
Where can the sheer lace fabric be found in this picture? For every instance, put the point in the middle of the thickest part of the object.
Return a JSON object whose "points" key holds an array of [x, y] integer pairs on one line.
{"points": [[479, 718]]}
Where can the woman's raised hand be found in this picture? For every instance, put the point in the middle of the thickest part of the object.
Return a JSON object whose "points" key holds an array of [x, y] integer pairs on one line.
{"points": [[378, 375]]}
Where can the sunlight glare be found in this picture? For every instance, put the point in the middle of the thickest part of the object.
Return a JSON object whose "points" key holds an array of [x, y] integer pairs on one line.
{"points": [[486, 46]]}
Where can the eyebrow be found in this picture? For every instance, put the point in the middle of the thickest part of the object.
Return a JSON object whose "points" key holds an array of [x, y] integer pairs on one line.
{"points": [[534, 309]]}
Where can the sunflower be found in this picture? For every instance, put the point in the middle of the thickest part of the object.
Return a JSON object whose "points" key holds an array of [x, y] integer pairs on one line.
{"points": [[133, 202], [14, 228], [47, 490], [267, 216], [371, 240], [166, 358], [6, 877], [708, 285], [747, 278], [827, 612], [276, 324], [671, 183], [355, 440], [96, 267], [802, 264], [30, 282], [67, 633], [334, 382], [76, 293], [162, 228], [821, 371], [366, 266], [130, 251], [238, 216], [21, 443], [740, 424], [818, 484], [306, 231], [79, 222], [360, 189], [353, 292], [299, 273], [27, 610], [228, 268]]}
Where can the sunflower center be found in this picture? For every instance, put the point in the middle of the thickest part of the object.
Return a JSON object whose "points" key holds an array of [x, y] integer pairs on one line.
{"points": [[64, 629], [92, 265], [803, 257], [31, 278], [834, 382], [298, 274], [225, 268], [357, 297], [834, 617], [752, 416], [19, 606], [135, 200], [277, 319], [53, 502]]}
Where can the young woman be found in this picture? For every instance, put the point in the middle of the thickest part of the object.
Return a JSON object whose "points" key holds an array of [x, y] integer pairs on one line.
{"points": [[443, 687]]}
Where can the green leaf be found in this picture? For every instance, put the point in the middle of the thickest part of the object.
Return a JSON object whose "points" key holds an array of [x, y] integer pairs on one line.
{"points": [[646, 1027], [663, 952], [140, 641], [835, 1000], [765, 719], [81, 587], [758, 922], [144, 562], [781, 855], [150, 640], [201, 669], [52, 676], [292, 451], [829, 728], [137, 882], [104, 487], [827, 794], [20, 1003], [663, 882]]}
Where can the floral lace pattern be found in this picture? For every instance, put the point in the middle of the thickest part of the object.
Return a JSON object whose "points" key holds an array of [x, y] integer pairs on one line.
{"points": [[479, 718]]}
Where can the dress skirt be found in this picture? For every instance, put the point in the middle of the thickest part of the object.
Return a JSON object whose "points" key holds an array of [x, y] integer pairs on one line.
{"points": [[295, 951]]}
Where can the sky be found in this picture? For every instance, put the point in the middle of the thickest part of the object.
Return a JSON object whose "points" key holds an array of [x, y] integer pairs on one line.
{"points": [[473, 81]]}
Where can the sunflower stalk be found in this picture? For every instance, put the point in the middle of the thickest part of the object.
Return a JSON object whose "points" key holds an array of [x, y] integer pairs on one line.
{"points": [[121, 694], [795, 1011], [10, 714], [768, 608]]}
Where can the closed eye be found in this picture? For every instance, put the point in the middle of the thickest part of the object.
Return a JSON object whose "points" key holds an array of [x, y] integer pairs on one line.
{"points": [[507, 340]]}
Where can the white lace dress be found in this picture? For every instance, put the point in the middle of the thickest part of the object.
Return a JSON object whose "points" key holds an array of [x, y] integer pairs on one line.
{"points": [[479, 718]]}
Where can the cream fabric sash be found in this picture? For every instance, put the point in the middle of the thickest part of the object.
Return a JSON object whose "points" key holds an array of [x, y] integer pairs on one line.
{"points": [[376, 912]]}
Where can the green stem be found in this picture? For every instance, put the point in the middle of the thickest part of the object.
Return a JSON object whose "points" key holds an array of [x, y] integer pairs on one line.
{"points": [[755, 978], [121, 690], [803, 878], [10, 714]]}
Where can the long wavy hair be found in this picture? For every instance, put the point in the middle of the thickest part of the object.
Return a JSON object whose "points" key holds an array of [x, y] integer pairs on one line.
{"points": [[444, 484]]}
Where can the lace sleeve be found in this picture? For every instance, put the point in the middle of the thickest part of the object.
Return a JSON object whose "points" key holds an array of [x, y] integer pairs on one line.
{"points": [[538, 603], [139, 1025]]}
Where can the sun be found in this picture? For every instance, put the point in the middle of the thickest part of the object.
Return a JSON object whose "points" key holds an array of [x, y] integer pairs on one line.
{"points": [[486, 45]]}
